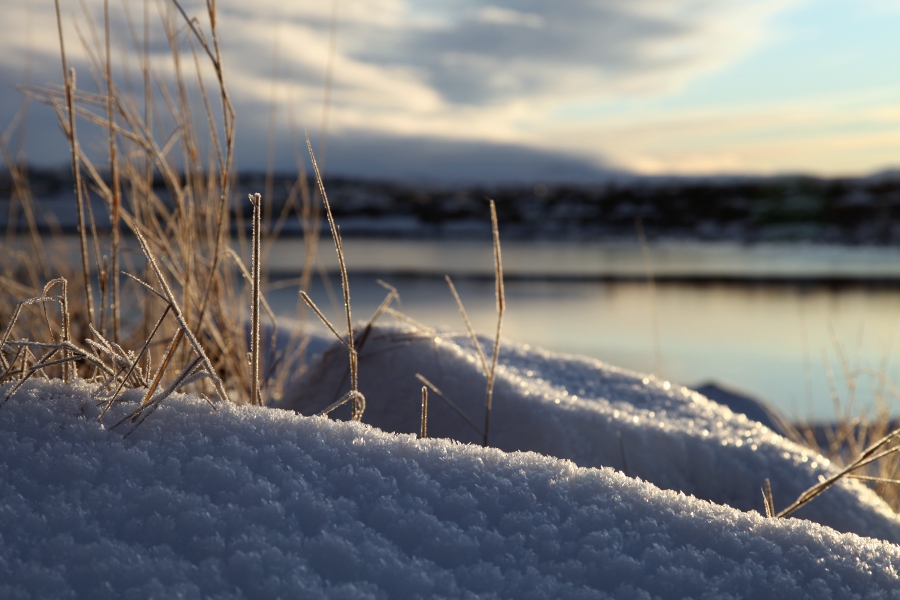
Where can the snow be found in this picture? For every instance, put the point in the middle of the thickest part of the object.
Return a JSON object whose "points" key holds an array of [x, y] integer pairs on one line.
{"points": [[258, 503], [594, 415]]}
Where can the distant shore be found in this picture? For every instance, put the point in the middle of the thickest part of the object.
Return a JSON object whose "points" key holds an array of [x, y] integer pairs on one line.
{"points": [[845, 211], [688, 262]]}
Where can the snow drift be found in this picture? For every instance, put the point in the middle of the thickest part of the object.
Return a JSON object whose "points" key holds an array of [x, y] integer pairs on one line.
{"points": [[253, 502], [594, 415]]}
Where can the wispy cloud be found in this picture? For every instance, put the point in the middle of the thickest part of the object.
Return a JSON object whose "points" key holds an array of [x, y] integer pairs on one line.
{"points": [[461, 70], [496, 71], [824, 138]]}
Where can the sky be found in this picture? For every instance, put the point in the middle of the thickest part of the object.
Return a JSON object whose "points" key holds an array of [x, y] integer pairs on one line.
{"points": [[566, 90]]}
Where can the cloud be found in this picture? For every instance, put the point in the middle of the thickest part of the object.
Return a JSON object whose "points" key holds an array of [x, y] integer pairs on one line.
{"points": [[503, 74], [505, 16], [537, 50], [466, 70], [823, 138], [421, 158], [462, 71]]}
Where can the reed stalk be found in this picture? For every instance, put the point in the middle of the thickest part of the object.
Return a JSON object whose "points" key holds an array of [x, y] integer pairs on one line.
{"points": [[501, 309], [423, 427], [71, 136], [255, 399]]}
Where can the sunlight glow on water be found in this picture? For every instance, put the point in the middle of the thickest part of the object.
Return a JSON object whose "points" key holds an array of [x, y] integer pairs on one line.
{"points": [[782, 343], [592, 259], [771, 341]]}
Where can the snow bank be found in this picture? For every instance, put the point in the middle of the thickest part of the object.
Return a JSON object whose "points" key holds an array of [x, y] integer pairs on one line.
{"points": [[252, 502], [594, 415]]}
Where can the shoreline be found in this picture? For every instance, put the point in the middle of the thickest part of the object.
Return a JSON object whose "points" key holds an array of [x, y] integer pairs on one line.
{"points": [[690, 263]]}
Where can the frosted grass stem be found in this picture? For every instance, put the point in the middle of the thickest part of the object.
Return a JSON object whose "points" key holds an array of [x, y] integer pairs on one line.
{"points": [[501, 308]]}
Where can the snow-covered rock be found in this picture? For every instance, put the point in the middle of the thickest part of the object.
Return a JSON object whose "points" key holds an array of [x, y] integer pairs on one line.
{"points": [[592, 414], [257, 503]]}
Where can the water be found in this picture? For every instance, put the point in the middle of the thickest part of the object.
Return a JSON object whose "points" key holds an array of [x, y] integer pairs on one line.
{"points": [[759, 318], [593, 260], [798, 346]]}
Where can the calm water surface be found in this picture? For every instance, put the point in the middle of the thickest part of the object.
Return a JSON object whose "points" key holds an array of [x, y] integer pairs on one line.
{"points": [[797, 346]]}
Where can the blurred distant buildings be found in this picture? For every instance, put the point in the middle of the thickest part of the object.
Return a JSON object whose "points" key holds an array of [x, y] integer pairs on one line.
{"points": [[742, 209]]}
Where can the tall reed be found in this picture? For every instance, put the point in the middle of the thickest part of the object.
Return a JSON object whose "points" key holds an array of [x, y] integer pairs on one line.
{"points": [[166, 193]]}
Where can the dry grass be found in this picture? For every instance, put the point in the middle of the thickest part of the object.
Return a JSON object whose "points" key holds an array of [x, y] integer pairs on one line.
{"points": [[863, 444], [882, 448], [188, 333], [423, 427], [501, 309], [488, 370], [358, 400]]}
